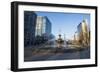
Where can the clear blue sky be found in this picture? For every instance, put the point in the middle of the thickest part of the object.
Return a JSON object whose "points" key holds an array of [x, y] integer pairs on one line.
{"points": [[64, 23]]}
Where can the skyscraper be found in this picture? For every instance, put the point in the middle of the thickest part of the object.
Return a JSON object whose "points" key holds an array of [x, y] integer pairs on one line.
{"points": [[29, 27], [83, 33], [43, 26]]}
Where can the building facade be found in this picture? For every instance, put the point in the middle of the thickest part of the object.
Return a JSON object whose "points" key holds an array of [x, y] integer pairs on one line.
{"points": [[76, 38], [83, 33], [29, 27], [43, 26]]}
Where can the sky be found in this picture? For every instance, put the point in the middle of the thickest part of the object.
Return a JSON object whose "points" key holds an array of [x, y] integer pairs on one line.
{"points": [[65, 23]]}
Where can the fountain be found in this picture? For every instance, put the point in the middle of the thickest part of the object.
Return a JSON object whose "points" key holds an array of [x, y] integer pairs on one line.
{"points": [[59, 42], [56, 43]]}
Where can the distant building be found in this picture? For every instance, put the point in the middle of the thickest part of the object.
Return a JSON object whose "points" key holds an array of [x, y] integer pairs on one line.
{"points": [[76, 38], [29, 27], [43, 26], [83, 33]]}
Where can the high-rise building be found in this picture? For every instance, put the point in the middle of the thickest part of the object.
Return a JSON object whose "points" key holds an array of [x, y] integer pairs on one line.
{"points": [[29, 27], [43, 26], [83, 33]]}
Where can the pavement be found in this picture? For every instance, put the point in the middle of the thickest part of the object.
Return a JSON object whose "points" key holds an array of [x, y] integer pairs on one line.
{"points": [[59, 54]]}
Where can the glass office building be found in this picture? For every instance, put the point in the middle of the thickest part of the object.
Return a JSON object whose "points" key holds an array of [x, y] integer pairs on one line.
{"points": [[29, 27], [43, 26], [83, 33]]}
